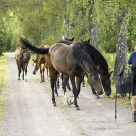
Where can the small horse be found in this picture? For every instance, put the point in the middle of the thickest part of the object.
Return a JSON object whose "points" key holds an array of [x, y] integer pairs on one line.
{"points": [[38, 61], [71, 61], [22, 56]]}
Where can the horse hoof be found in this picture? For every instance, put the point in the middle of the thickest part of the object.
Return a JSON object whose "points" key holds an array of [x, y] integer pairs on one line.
{"points": [[97, 97], [77, 108], [54, 104], [41, 82], [18, 78], [83, 85]]}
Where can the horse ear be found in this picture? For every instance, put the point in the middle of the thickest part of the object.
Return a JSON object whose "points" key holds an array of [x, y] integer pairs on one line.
{"points": [[88, 41], [73, 39], [110, 73]]}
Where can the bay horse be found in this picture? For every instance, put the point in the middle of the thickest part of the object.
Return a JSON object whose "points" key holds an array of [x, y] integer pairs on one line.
{"points": [[71, 61], [22, 57], [41, 59], [99, 60]]}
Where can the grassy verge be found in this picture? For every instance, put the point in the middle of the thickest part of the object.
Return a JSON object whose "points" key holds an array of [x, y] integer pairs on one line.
{"points": [[3, 81]]}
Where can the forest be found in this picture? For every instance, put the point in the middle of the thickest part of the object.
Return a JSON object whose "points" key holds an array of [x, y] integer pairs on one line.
{"points": [[109, 24]]}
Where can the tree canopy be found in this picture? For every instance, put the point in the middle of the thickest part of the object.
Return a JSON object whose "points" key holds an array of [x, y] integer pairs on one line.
{"points": [[46, 21]]}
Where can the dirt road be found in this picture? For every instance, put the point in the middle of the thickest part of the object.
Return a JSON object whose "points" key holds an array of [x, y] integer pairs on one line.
{"points": [[28, 111]]}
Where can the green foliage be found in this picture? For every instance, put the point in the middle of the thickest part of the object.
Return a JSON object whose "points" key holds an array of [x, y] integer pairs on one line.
{"points": [[3, 81], [44, 22]]}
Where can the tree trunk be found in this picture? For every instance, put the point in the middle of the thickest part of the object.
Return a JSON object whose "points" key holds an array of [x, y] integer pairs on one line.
{"points": [[121, 43], [65, 27], [93, 35]]}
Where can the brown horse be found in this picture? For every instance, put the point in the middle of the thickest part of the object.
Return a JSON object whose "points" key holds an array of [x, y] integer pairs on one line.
{"points": [[71, 61], [22, 56], [41, 59]]}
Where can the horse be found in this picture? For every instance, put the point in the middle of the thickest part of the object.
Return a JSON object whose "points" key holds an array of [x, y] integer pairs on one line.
{"points": [[99, 59], [41, 59], [22, 56], [71, 61]]}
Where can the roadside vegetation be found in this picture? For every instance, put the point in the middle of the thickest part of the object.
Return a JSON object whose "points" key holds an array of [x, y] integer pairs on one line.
{"points": [[3, 81]]}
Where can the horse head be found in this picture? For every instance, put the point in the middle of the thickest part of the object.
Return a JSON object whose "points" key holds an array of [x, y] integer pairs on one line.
{"points": [[94, 80], [106, 83], [36, 66]]}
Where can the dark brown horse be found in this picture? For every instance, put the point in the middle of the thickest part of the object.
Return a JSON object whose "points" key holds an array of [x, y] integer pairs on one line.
{"points": [[22, 56], [41, 59], [99, 60], [71, 61]]}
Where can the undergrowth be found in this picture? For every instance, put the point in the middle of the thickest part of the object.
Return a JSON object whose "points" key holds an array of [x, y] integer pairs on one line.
{"points": [[3, 80]]}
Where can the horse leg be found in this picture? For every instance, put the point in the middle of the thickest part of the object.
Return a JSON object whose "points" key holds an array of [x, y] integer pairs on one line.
{"points": [[96, 95], [52, 75], [19, 71], [23, 71], [83, 81], [78, 82], [55, 80], [68, 86], [64, 83], [58, 82], [47, 71], [41, 73], [72, 78], [26, 72]]}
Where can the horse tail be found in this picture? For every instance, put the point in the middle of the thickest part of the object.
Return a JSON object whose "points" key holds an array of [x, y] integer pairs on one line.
{"points": [[31, 47]]}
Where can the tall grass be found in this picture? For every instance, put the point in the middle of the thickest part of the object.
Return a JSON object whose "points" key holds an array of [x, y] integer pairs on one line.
{"points": [[3, 81], [125, 101]]}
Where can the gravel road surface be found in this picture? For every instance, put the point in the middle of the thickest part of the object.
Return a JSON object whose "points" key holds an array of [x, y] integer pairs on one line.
{"points": [[28, 111]]}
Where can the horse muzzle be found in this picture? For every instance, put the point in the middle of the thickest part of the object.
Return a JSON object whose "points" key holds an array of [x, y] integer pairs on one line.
{"points": [[100, 92], [108, 93], [34, 73]]}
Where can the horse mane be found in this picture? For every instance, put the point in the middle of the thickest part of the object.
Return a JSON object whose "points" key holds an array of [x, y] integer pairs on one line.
{"points": [[81, 57], [96, 56]]}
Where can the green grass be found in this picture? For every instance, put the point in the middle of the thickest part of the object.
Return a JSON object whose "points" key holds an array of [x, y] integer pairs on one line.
{"points": [[125, 101], [3, 81]]}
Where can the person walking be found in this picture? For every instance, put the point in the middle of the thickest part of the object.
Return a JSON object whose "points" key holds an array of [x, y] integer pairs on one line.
{"points": [[132, 61]]}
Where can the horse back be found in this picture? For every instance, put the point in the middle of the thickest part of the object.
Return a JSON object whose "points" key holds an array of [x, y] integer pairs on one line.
{"points": [[42, 58], [65, 42]]}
